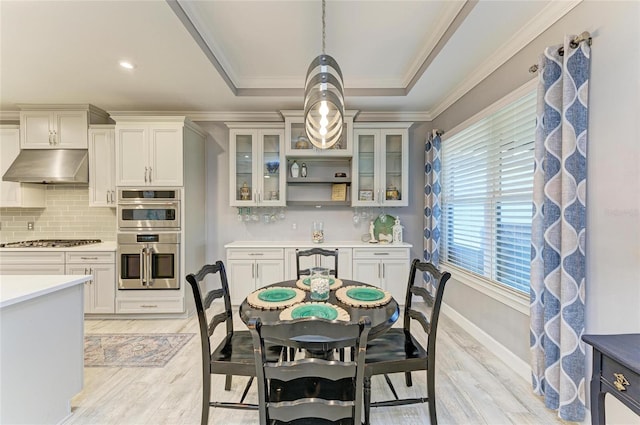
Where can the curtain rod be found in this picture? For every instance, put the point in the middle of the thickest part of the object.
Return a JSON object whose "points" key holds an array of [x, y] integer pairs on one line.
{"points": [[585, 36]]}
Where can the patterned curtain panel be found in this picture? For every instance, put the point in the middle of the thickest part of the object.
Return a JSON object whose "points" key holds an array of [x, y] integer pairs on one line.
{"points": [[558, 230], [432, 193]]}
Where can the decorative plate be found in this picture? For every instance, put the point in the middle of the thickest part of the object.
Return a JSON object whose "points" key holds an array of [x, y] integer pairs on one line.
{"points": [[383, 224], [311, 309], [275, 297], [363, 296], [305, 283]]}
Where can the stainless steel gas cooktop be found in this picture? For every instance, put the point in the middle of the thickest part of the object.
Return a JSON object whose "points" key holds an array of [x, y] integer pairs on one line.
{"points": [[50, 243]]}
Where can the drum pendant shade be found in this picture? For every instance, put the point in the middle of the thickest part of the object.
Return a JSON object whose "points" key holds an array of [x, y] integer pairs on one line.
{"points": [[323, 99]]}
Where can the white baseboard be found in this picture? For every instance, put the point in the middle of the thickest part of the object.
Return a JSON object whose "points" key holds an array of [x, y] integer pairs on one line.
{"points": [[518, 365]]}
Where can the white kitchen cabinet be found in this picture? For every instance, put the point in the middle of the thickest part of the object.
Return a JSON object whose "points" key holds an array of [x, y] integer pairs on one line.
{"points": [[99, 292], [297, 144], [254, 178], [250, 269], [150, 301], [102, 168], [32, 262], [57, 126], [386, 267], [381, 165], [149, 154], [13, 194], [344, 261]]}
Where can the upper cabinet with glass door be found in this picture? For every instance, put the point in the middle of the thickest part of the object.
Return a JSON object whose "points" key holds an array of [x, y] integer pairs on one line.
{"points": [[257, 166], [380, 164], [297, 144]]}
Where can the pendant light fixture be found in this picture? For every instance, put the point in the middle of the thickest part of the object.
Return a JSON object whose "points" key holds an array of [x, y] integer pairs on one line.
{"points": [[323, 98]]}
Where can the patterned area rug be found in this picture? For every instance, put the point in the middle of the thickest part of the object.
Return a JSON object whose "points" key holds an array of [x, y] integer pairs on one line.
{"points": [[132, 350]]}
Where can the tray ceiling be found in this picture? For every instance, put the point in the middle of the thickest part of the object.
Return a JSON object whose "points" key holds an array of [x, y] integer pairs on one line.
{"points": [[208, 57]]}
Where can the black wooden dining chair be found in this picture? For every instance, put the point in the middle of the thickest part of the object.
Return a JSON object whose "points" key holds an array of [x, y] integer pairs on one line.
{"points": [[234, 353], [398, 350], [316, 251], [310, 390]]}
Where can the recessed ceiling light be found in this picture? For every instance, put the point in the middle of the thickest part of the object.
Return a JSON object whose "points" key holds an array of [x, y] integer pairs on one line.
{"points": [[127, 65]]}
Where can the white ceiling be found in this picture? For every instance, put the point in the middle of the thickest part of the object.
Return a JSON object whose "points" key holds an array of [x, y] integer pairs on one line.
{"points": [[395, 55]]}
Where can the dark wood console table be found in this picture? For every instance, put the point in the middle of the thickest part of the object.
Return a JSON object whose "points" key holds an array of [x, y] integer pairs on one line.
{"points": [[616, 370]]}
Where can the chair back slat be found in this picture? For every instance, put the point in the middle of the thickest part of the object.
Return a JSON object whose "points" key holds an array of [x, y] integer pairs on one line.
{"points": [[331, 410], [316, 251], [422, 319], [299, 401], [212, 296], [330, 369]]}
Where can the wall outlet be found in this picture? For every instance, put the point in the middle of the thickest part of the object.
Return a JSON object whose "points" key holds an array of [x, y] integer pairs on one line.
{"points": [[29, 225]]}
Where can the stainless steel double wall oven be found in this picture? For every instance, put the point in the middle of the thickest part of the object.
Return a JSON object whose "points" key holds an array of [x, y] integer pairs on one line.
{"points": [[148, 238]]}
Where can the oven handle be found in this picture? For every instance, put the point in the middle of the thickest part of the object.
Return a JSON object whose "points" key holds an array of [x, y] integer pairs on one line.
{"points": [[148, 263], [143, 263]]}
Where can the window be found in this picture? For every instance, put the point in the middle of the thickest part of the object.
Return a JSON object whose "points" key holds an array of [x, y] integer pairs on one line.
{"points": [[487, 182]]}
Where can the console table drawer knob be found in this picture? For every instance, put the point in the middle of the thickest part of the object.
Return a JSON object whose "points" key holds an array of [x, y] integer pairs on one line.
{"points": [[620, 382]]}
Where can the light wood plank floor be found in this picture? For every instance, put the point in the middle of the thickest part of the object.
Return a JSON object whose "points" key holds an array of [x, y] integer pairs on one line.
{"points": [[473, 386]]}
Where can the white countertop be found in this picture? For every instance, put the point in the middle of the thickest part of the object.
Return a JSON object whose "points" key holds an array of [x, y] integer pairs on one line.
{"points": [[102, 246], [309, 244], [15, 289]]}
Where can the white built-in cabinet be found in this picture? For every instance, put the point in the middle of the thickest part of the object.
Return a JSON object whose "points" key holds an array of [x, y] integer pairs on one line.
{"points": [[344, 262], [250, 269], [102, 166], [58, 126], [148, 154], [386, 267], [254, 179], [100, 291], [13, 194], [252, 266], [297, 144], [380, 165]]}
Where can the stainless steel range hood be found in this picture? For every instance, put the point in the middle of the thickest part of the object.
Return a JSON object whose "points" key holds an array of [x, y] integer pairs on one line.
{"points": [[49, 166]]}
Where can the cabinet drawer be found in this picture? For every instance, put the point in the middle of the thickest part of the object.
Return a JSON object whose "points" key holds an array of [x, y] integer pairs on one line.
{"points": [[150, 306], [254, 254], [611, 367], [32, 258], [90, 257], [380, 253]]}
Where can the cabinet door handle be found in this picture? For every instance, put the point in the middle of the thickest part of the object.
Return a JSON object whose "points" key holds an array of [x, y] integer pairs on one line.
{"points": [[149, 174], [380, 253], [55, 137], [378, 270], [149, 306], [383, 271], [88, 258], [113, 196], [145, 174], [256, 253], [253, 273], [257, 269]]}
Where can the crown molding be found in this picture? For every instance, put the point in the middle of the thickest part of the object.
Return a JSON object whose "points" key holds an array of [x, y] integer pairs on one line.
{"points": [[9, 115], [393, 116], [536, 26]]}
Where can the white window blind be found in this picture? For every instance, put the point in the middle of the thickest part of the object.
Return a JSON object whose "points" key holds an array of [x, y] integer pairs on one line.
{"points": [[487, 186]]}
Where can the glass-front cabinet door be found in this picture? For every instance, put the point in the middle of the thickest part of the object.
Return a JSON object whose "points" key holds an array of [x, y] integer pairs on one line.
{"points": [[255, 156], [273, 168], [381, 165], [297, 144]]}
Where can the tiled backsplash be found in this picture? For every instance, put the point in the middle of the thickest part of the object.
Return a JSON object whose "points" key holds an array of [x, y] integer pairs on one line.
{"points": [[67, 216]]}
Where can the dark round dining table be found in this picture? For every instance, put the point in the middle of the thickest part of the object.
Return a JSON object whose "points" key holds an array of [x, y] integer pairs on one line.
{"points": [[382, 317]]}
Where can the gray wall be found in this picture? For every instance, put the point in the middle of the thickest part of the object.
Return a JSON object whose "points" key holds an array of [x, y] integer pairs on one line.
{"points": [[224, 228], [613, 194]]}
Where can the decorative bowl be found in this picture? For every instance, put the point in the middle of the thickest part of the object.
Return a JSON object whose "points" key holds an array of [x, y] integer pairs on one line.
{"points": [[272, 166]]}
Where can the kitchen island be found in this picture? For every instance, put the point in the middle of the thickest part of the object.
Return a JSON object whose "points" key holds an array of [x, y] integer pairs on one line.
{"points": [[41, 346]]}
